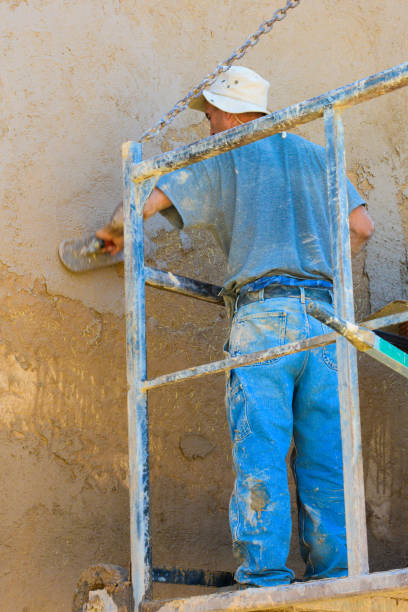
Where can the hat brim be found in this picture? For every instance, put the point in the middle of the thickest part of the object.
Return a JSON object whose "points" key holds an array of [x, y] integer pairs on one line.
{"points": [[198, 103], [224, 103]]}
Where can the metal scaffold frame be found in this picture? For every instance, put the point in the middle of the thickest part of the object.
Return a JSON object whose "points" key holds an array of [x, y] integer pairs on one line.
{"points": [[140, 177]]}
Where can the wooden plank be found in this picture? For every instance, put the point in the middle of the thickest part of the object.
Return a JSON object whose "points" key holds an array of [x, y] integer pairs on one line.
{"points": [[275, 598], [346, 354], [387, 320]]}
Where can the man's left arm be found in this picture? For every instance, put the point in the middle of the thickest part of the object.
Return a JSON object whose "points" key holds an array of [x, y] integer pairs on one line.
{"points": [[361, 228]]}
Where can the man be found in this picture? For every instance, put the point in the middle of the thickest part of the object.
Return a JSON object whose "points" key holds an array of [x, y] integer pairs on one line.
{"points": [[267, 205]]}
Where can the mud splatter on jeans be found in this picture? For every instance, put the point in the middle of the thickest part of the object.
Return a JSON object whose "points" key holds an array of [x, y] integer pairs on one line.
{"points": [[268, 404]]}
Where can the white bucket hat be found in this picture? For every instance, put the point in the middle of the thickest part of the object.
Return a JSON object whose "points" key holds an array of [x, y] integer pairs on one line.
{"points": [[238, 90]]}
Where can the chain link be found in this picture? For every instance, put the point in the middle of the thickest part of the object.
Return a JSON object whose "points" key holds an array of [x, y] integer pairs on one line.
{"points": [[239, 52]]}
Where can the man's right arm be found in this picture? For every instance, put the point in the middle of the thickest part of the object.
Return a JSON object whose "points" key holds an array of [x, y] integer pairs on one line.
{"points": [[112, 233], [361, 228]]}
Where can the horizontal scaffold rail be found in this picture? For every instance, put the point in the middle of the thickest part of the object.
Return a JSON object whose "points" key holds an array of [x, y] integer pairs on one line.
{"points": [[250, 358], [168, 281], [286, 119]]}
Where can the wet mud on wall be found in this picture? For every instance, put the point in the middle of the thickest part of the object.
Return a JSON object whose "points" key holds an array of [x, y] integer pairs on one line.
{"points": [[64, 448], [63, 443]]}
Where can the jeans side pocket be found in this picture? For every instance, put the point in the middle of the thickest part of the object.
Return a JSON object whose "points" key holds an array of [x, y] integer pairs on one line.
{"points": [[329, 351], [236, 409]]}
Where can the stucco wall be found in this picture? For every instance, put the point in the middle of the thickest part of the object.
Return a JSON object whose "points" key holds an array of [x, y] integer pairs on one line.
{"points": [[77, 79]]}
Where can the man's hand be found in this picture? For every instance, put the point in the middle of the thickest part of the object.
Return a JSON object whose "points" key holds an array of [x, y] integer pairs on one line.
{"points": [[113, 244], [112, 233]]}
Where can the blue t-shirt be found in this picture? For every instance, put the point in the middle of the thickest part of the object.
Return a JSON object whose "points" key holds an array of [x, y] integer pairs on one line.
{"points": [[266, 204]]}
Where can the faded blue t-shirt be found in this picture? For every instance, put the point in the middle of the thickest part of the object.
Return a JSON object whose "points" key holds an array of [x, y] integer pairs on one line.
{"points": [[266, 204]]}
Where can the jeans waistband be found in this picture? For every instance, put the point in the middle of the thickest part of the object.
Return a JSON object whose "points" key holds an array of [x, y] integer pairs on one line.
{"points": [[276, 291]]}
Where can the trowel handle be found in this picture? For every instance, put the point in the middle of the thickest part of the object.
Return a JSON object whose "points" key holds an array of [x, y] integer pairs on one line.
{"points": [[93, 246], [99, 243]]}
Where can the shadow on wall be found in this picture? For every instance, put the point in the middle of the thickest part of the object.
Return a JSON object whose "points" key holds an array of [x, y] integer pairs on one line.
{"points": [[383, 399]]}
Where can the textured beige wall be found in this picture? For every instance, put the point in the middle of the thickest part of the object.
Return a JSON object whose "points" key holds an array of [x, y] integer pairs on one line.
{"points": [[77, 79]]}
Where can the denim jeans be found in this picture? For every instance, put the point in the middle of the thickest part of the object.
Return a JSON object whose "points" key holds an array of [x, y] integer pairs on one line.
{"points": [[268, 404]]}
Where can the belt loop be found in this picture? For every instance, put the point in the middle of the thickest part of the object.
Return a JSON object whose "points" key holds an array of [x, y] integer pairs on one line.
{"points": [[261, 295], [232, 304], [302, 295], [331, 296]]}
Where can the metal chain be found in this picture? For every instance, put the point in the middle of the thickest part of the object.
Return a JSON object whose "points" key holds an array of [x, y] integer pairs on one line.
{"points": [[239, 52]]}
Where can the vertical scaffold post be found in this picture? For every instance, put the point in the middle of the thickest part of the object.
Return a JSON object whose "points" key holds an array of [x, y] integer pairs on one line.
{"points": [[346, 354], [138, 434]]}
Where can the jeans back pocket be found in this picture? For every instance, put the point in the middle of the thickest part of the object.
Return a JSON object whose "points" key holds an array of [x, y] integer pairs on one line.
{"points": [[258, 332]]}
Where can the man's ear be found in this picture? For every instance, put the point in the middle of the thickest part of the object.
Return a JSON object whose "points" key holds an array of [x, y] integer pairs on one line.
{"points": [[231, 119]]}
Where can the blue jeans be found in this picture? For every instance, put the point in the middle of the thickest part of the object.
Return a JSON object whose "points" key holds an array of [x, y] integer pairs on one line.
{"points": [[268, 404]]}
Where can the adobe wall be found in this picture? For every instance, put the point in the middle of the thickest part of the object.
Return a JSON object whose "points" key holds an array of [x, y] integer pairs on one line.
{"points": [[79, 78]]}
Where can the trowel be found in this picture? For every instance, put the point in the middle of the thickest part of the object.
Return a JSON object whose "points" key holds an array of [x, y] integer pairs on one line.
{"points": [[86, 254]]}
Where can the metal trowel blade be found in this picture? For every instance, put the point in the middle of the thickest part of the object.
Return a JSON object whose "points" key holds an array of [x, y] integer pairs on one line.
{"points": [[85, 254]]}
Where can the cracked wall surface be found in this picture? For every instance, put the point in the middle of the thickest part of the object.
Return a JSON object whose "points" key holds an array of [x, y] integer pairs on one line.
{"points": [[77, 79]]}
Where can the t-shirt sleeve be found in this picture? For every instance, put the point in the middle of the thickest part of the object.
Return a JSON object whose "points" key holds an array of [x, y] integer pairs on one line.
{"points": [[354, 198], [194, 193]]}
